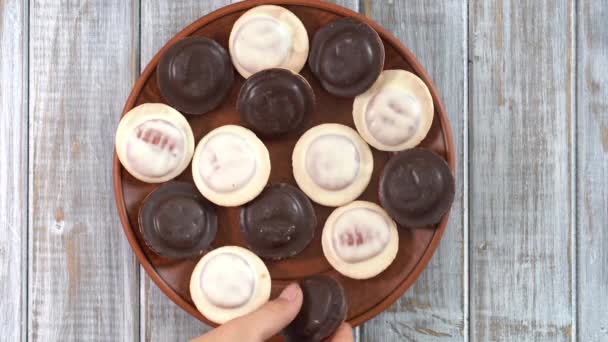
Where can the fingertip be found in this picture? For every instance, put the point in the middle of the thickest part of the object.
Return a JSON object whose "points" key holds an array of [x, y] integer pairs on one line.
{"points": [[291, 293], [273, 316]]}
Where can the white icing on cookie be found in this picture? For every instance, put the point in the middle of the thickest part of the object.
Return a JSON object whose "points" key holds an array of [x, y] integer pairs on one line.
{"points": [[231, 166], [229, 282], [396, 113], [360, 240], [155, 148], [332, 164], [261, 43], [268, 37], [154, 142], [332, 161], [227, 162], [360, 234]]}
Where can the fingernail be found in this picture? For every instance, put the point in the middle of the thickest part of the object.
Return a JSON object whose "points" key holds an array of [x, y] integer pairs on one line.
{"points": [[291, 292]]}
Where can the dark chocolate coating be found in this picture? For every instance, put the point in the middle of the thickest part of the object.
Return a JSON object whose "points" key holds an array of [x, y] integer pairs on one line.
{"points": [[416, 187], [273, 102], [346, 56], [279, 223], [176, 221], [323, 310], [195, 75]]}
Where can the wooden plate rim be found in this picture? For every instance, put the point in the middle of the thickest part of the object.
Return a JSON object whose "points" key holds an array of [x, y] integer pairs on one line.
{"points": [[329, 7]]}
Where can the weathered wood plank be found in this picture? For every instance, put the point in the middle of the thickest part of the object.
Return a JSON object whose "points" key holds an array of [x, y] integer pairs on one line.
{"points": [[164, 321], [160, 20], [433, 308], [352, 4], [83, 277], [592, 168], [13, 178], [520, 191]]}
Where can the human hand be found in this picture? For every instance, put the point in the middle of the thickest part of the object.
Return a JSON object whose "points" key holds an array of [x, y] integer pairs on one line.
{"points": [[268, 321]]}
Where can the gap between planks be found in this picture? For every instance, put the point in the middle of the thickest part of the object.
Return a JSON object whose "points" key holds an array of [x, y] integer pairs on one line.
{"points": [[26, 115], [465, 171], [573, 37]]}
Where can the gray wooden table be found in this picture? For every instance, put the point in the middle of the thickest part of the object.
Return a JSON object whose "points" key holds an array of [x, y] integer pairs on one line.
{"points": [[525, 257]]}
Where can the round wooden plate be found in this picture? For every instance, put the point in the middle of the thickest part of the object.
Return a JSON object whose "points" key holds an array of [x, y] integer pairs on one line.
{"points": [[366, 298]]}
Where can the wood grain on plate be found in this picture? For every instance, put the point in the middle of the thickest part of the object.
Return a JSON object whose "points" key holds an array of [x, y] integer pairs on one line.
{"points": [[366, 298], [592, 170], [520, 191], [83, 278], [433, 308], [13, 175]]}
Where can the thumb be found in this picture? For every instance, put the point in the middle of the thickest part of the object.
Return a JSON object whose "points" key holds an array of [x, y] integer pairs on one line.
{"points": [[271, 318]]}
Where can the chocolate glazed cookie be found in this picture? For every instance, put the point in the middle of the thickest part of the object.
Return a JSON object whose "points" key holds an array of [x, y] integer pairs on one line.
{"points": [[195, 75], [346, 56], [323, 310], [279, 223], [416, 187], [176, 221], [273, 102]]}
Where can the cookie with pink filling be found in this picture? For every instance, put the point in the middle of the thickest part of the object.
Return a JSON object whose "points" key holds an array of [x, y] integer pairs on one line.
{"points": [[154, 142], [396, 113], [360, 240]]}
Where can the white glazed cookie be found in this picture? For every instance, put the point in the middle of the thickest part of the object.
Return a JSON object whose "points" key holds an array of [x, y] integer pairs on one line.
{"points": [[332, 164], [154, 142], [360, 240], [231, 166], [396, 113], [229, 282], [268, 37]]}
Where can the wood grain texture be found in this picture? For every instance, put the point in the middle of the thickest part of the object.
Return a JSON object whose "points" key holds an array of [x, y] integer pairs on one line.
{"points": [[82, 275], [352, 4], [520, 202], [162, 19], [161, 319], [592, 167], [13, 178], [83, 278], [432, 310]]}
